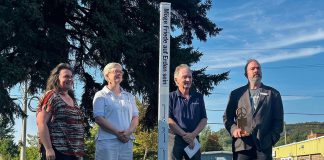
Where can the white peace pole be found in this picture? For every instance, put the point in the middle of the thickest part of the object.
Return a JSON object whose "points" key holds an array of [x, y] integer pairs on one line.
{"points": [[164, 80]]}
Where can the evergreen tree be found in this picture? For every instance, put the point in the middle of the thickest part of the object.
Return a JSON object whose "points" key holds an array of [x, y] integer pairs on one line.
{"points": [[8, 149], [6, 130], [36, 35]]}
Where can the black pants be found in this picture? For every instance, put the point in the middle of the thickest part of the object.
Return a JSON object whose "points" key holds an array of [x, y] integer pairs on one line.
{"points": [[253, 154], [58, 155], [178, 152]]}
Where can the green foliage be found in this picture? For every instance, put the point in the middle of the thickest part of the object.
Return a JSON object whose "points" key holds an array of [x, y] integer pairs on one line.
{"points": [[209, 140], [225, 140], [8, 109], [6, 131], [203, 137], [32, 150], [32, 153], [26, 51], [90, 146], [146, 142], [8, 149], [299, 131], [212, 143]]}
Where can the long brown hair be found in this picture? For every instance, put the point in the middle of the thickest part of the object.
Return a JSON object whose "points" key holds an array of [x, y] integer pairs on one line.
{"points": [[53, 80]]}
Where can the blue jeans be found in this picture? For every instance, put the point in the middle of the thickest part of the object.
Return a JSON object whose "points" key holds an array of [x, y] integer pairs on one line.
{"points": [[178, 152], [113, 149]]}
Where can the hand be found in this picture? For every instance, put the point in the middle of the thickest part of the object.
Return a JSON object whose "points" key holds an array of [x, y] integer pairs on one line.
{"points": [[192, 145], [127, 133], [189, 137], [238, 133], [122, 136], [50, 154]]}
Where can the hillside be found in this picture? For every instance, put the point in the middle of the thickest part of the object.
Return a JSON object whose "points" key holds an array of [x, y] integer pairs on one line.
{"points": [[295, 133]]}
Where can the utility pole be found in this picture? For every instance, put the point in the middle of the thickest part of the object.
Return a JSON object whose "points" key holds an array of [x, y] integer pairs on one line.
{"points": [[285, 132], [24, 123]]}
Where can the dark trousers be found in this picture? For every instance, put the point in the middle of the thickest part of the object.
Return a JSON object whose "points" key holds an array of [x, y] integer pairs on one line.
{"points": [[178, 152], [253, 154], [58, 155]]}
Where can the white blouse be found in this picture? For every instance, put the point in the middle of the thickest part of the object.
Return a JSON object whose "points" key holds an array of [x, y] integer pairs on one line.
{"points": [[117, 110]]}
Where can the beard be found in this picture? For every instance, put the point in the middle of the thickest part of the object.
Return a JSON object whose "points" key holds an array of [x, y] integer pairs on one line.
{"points": [[255, 80]]}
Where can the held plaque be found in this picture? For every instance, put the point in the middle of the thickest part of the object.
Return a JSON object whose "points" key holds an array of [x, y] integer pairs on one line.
{"points": [[241, 114]]}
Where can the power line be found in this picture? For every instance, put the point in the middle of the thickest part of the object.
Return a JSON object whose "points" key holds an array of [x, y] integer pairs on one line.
{"points": [[301, 66], [216, 123], [257, 49], [283, 95], [307, 123], [306, 114], [319, 124], [317, 96], [218, 110], [292, 113], [296, 66]]}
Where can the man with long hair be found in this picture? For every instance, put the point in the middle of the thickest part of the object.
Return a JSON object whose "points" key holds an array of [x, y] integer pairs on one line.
{"points": [[254, 116]]}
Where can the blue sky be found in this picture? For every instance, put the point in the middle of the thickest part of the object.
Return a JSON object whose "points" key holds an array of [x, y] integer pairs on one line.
{"points": [[287, 37]]}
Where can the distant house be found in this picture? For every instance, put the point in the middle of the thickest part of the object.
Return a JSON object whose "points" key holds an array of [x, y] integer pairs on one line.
{"points": [[217, 155], [311, 149], [314, 135]]}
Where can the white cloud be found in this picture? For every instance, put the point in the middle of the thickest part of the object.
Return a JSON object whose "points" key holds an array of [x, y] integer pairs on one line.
{"points": [[240, 15], [294, 98], [291, 55], [306, 37], [271, 51], [236, 59], [299, 25]]}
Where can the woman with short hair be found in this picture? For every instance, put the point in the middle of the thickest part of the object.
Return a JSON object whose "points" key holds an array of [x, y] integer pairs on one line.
{"points": [[116, 113]]}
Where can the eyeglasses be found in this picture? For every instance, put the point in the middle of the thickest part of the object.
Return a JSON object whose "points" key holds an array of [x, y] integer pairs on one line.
{"points": [[117, 71]]}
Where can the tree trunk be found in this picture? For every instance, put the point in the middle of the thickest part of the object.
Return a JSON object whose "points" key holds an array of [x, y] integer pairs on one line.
{"points": [[145, 153]]}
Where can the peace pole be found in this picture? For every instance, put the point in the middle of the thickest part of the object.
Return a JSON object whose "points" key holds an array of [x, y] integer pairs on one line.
{"points": [[164, 76]]}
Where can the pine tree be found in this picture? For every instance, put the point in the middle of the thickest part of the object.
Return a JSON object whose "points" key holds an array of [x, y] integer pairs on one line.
{"points": [[36, 35]]}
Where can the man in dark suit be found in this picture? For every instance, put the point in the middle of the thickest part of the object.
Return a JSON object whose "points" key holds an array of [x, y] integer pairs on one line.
{"points": [[254, 116]]}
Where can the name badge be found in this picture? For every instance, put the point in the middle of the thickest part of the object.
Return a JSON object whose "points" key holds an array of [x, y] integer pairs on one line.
{"points": [[264, 94]]}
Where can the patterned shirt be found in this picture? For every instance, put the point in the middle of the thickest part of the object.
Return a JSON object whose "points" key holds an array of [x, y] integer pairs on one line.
{"points": [[66, 127]]}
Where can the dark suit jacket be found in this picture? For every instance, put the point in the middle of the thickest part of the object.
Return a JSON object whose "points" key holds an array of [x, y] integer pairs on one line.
{"points": [[264, 125]]}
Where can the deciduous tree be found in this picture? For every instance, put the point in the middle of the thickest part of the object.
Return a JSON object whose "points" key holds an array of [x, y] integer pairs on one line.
{"points": [[209, 140]]}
